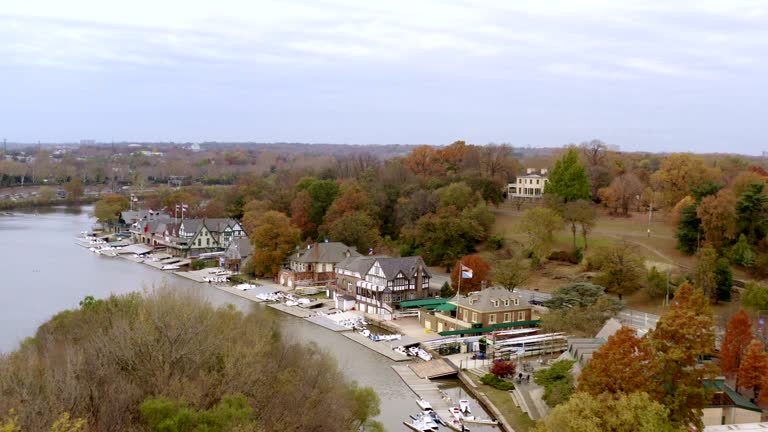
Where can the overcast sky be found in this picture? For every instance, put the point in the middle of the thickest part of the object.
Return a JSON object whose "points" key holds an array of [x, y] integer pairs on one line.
{"points": [[646, 75]]}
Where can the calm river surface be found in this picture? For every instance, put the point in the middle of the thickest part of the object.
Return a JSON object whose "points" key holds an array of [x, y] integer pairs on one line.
{"points": [[45, 272]]}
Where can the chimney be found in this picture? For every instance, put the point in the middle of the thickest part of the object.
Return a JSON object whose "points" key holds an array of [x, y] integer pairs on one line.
{"points": [[483, 285], [317, 252], [544, 171], [419, 277], [529, 171]]}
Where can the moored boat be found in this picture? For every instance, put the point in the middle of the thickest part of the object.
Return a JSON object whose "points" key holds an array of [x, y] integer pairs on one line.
{"points": [[424, 405], [464, 406]]}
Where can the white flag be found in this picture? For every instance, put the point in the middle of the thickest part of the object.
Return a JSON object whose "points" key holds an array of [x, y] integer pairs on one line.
{"points": [[466, 272]]}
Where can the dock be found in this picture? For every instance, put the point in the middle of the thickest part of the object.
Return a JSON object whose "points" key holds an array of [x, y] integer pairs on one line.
{"points": [[434, 368], [328, 324], [292, 310], [384, 348], [426, 390]]}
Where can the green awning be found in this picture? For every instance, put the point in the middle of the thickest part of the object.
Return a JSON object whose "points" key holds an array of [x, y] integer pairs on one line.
{"points": [[499, 326], [446, 307], [423, 302]]}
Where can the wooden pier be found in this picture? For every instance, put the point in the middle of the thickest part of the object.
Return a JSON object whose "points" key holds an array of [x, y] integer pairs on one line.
{"points": [[384, 348]]}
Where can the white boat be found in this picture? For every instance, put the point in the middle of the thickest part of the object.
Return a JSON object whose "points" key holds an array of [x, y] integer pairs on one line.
{"points": [[464, 406], [473, 419], [170, 267], [400, 350], [456, 413], [366, 333], [419, 425], [424, 355], [245, 287], [291, 303], [424, 405], [425, 420], [414, 351]]}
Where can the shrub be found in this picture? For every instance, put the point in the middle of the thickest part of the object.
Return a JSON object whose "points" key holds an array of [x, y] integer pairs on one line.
{"points": [[197, 264], [502, 368], [496, 382], [496, 242], [564, 256]]}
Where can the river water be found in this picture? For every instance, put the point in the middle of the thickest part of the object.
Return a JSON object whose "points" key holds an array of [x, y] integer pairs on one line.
{"points": [[45, 272]]}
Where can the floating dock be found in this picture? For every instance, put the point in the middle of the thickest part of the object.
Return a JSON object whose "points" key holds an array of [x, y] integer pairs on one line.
{"points": [[426, 390], [383, 347], [434, 368]]}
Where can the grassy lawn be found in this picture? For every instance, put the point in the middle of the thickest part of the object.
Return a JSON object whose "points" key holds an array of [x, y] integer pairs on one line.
{"points": [[503, 401]]}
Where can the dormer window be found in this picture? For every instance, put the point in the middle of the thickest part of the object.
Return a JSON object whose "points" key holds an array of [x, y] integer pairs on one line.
{"points": [[471, 301], [506, 302], [495, 303], [517, 302]]}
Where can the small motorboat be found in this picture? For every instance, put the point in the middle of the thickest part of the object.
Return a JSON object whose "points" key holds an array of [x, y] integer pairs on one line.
{"points": [[427, 420], [456, 413], [400, 350], [420, 424], [424, 405], [366, 333], [424, 355], [464, 406]]}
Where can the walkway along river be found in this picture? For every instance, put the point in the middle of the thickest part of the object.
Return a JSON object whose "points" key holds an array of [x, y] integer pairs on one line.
{"points": [[44, 272]]}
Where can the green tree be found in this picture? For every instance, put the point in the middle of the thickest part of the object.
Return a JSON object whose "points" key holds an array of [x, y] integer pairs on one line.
{"points": [[656, 283], [742, 253], [557, 382], [568, 179], [46, 193], [704, 274], [539, 226], [459, 195], [755, 296], [274, 239], [752, 213], [166, 415], [442, 237], [583, 321], [577, 294], [621, 268], [365, 406], [690, 233], [358, 229], [723, 280], [633, 412]]}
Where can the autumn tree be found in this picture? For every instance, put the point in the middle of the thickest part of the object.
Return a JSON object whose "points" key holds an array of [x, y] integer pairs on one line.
{"points": [[754, 367], [718, 218], [568, 179], [480, 274], [579, 213], [510, 273], [502, 368], [621, 268], [301, 208], [738, 334], [623, 191], [704, 274], [583, 321], [689, 231], [682, 335], [109, 207], [274, 239], [74, 188], [539, 225], [678, 174], [358, 229], [583, 412], [624, 364], [741, 183], [320, 194], [595, 155]]}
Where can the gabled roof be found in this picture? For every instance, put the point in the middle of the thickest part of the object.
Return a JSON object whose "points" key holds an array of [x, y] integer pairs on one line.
{"points": [[358, 264], [191, 225], [727, 397], [331, 252], [408, 265], [239, 248], [482, 301], [217, 224]]}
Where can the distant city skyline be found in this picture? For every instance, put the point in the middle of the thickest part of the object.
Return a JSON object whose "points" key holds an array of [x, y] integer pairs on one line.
{"points": [[657, 76]]}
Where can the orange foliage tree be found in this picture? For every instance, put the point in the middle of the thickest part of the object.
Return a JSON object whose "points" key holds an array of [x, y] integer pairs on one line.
{"points": [[754, 367], [681, 337], [623, 365], [301, 206], [480, 270], [738, 334]]}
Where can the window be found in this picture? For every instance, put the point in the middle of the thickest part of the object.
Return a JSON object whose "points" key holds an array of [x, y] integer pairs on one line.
{"points": [[474, 316], [521, 316], [517, 302], [492, 319], [199, 242], [466, 316], [207, 242], [495, 303], [506, 302], [507, 316]]}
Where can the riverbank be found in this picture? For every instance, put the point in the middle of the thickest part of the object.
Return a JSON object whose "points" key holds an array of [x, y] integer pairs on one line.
{"points": [[33, 203]]}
